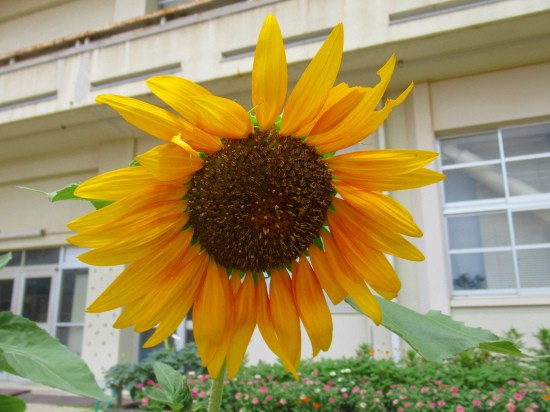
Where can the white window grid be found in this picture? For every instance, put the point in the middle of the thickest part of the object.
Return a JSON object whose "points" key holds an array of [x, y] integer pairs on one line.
{"points": [[507, 204]]}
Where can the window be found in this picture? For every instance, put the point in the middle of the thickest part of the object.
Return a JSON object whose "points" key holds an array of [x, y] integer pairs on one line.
{"points": [[497, 210], [48, 286]]}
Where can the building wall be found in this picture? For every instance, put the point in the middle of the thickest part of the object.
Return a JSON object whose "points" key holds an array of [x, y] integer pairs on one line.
{"points": [[477, 66]]}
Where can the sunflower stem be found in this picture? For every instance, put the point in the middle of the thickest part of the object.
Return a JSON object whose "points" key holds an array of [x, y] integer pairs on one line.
{"points": [[216, 392]]}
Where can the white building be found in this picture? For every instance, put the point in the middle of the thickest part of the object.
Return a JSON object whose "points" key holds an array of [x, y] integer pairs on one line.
{"points": [[482, 98]]}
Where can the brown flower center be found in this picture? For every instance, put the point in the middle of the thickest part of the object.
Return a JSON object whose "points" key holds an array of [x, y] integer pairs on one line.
{"points": [[259, 202]]}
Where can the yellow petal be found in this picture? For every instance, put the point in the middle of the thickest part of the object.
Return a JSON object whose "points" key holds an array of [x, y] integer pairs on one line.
{"points": [[128, 286], [284, 314], [417, 178], [116, 184], [125, 251], [144, 198], [245, 322], [313, 87], [147, 117], [326, 278], [349, 220], [358, 126], [381, 208], [365, 261], [338, 111], [351, 283], [312, 306], [177, 93], [170, 162], [209, 314], [370, 164], [269, 74], [267, 328], [184, 293], [222, 117]]}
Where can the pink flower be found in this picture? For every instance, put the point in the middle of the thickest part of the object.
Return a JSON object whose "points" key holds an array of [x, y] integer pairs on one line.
{"points": [[268, 397], [282, 401], [255, 401], [476, 402], [238, 395], [263, 389], [195, 392], [355, 389], [345, 395], [413, 387], [432, 404], [202, 394], [314, 373], [459, 408], [376, 400], [139, 385], [534, 406], [326, 387], [150, 382], [246, 396], [437, 382], [518, 397], [510, 407], [454, 389], [379, 392], [401, 410], [419, 404], [441, 403], [424, 389], [511, 382], [145, 401], [157, 386], [501, 390], [407, 404], [491, 403]]}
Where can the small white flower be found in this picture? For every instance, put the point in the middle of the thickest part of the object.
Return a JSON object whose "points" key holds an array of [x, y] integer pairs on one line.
{"points": [[317, 390], [258, 376], [332, 373], [363, 405], [343, 390]]}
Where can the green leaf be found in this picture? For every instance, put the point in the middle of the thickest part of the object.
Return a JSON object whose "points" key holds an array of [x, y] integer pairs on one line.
{"points": [[67, 193], [12, 404], [170, 380], [5, 259], [436, 336], [172, 390], [28, 351], [505, 347]]}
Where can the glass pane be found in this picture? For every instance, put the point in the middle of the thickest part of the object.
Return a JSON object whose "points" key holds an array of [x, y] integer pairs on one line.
{"points": [[42, 256], [475, 231], [71, 336], [73, 295], [529, 177], [534, 268], [144, 352], [6, 293], [36, 299], [474, 183], [490, 270], [521, 141], [470, 149], [15, 258], [532, 226]]}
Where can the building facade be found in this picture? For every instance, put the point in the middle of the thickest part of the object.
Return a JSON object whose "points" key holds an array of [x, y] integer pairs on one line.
{"points": [[482, 98]]}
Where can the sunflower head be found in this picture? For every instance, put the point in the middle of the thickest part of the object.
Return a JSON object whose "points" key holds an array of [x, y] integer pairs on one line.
{"points": [[250, 220]]}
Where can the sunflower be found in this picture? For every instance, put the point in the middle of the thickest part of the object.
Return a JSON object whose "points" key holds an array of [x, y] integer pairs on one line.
{"points": [[249, 219]]}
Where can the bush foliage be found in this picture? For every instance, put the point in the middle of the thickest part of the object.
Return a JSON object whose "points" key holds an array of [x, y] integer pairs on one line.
{"points": [[472, 381]]}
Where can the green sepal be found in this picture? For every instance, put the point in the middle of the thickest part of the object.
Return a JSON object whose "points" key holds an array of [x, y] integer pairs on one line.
{"points": [[328, 155], [278, 122], [67, 193], [319, 243], [134, 163], [331, 207], [253, 120], [5, 259]]}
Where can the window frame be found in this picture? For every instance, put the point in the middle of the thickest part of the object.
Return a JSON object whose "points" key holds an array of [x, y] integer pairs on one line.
{"points": [[507, 204]]}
